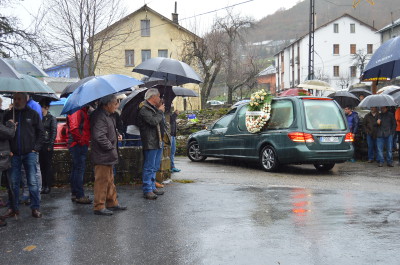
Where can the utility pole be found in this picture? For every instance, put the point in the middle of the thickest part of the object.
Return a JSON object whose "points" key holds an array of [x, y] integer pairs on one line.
{"points": [[311, 42]]}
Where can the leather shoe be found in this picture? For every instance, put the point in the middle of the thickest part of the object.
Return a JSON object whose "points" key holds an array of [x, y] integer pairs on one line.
{"points": [[158, 192], [150, 196], [117, 208], [36, 213], [83, 200], [103, 211], [10, 213]]}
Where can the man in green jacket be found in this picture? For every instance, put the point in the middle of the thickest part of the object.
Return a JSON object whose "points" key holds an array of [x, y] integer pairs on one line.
{"points": [[151, 125]]}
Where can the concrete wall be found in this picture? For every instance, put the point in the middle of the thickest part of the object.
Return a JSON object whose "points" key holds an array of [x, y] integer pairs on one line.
{"points": [[129, 169]]}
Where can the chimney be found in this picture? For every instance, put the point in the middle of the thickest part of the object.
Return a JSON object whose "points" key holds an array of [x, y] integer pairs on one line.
{"points": [[175, 15]]}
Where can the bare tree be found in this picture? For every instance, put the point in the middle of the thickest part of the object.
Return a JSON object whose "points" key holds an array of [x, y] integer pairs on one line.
{"points": [[360, 59], [239, 65], [207, 54], [16, 41], [344, 81], [321, 75], [75, 30]]}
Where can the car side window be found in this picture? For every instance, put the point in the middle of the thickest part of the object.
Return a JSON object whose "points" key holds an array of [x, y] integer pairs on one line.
{"points": [[242, 119], [224, 121], [281, 115]]}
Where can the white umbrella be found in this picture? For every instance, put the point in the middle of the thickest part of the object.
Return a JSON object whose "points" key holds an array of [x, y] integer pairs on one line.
{"points": [[317, 85], [388, 89], [6, 70]]}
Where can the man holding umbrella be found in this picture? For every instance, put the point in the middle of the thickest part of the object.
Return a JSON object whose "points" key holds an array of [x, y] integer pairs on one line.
{"points": [[25, 146]]}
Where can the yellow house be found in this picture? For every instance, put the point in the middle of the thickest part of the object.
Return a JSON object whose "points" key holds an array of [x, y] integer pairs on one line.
{"points": [[137, 37]]}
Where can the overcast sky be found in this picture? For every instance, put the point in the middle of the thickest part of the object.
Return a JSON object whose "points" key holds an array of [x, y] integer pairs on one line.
{"points": [[186, 8]]}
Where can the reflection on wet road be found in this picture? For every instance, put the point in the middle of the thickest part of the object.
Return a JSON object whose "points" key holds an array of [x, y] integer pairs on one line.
{"points": [[202, 223]]}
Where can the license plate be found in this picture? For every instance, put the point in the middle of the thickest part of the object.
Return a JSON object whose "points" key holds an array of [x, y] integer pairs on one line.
{"points": [[329, 139]]}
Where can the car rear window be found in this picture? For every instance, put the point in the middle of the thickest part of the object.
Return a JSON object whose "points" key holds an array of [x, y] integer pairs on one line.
{"points": [[281, 115], [323, 115]]}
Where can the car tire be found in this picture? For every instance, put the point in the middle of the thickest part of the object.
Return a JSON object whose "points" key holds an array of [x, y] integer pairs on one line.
{"points": [[269, 159], [193, 152], [324, 167]]}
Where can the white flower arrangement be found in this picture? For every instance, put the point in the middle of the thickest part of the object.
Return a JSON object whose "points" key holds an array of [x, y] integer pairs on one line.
{"points": [[259, 111]]}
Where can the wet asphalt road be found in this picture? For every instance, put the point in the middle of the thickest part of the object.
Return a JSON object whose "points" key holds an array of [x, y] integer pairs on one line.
{"points": [[233, 213]]}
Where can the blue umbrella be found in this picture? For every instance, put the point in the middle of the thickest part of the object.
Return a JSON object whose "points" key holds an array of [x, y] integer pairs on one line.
{"points": [[385, 62], [96, 88]]}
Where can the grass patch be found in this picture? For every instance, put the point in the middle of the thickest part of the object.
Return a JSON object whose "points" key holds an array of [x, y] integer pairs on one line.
{"points": [[184, 181]]}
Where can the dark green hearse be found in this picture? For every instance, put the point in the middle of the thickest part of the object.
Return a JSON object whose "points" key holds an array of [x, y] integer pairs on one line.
{"points": [[301, 130]]}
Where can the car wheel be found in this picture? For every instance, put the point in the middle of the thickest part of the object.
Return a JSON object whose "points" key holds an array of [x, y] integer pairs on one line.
{"points": [[193, 152], [268, 158], [324, 167]]}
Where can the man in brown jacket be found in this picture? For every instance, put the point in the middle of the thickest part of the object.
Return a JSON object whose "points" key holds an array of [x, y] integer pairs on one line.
{"points": [[104, 156]]}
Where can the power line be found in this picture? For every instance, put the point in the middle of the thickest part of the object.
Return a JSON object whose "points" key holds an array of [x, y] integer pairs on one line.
{"points": [[335, 3]]}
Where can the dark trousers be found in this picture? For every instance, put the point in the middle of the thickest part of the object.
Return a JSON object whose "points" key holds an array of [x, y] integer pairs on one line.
{"points": [[46, 166], [78, 154]]}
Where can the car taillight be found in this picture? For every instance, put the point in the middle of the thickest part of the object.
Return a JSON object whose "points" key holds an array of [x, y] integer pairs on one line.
{"points": [[301, 137], [349, 137]]}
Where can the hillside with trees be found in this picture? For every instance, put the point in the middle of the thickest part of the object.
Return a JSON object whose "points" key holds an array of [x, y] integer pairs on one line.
{"points": [[293, 23]]}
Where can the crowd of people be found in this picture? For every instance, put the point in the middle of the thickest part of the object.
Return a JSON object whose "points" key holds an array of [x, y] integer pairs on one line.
{"points": [[382, 130], [27, 135]]}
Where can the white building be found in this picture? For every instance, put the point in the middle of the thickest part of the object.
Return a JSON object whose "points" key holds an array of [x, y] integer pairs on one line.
{"points": [[335, 45]]}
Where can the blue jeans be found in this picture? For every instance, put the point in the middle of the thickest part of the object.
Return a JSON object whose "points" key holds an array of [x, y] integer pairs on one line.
{"points": [[173, 150], [371, 142], [28, 161], [136, 138], [387, 142], [152, 161], [78, 154]]}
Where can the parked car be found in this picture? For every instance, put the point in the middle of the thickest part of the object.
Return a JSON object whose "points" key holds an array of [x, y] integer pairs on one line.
{"points": [[301, 130], [215, 102], [62, 130], [240, 102]]}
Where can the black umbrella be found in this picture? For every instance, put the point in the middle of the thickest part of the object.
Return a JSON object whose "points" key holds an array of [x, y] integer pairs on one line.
{"points": [[345, 98], [154, 81], [72, 87], [184, 92], [360, 91], [129, 105], [379, 100], [169, 70]]}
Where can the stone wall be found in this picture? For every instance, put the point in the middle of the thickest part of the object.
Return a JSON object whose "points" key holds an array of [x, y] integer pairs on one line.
{"points": [[129, 169]]}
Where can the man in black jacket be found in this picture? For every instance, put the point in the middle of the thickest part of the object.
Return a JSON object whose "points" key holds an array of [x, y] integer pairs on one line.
{"points": [[386, 129], [46, 153], [25, 146]]}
